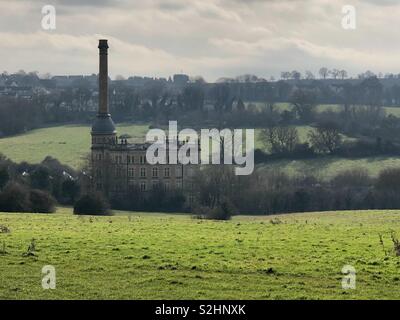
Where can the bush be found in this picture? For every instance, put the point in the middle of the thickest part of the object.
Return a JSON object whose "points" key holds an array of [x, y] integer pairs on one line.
{"points": [[4, 176], [15, 198], [92, 204], [42, 202], [389, 180], [70, 190], [224, 211], [352, 178]]}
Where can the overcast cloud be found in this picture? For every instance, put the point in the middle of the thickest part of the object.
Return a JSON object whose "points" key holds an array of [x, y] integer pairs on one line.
{"points": [[212, 38]]}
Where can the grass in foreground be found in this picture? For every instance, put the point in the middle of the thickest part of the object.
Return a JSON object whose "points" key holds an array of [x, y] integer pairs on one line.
{"points": [[156, 256]]}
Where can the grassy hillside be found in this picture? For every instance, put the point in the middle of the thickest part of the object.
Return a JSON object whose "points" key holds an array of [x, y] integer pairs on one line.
{"points": [[300, 256], [281, 106], [327, 167], [70, 144]]}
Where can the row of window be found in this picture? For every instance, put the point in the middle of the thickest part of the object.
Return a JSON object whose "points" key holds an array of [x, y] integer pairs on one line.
{"points": [[144, 186], [103, 140], [131, 159], [142, 172]]}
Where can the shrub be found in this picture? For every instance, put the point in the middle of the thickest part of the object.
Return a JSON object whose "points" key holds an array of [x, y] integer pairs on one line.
{"points": [[42, 202], [40, 178], [325, 138], [389, 180], [70, 190], [92, 204], [15, 198], [352, 178], [4, 176], [224, 211]]}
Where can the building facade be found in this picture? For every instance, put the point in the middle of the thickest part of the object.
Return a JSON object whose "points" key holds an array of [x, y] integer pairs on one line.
{"points": [[120, 167]]}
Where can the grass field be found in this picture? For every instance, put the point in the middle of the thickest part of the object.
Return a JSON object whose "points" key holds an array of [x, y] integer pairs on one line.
{"points": [[327, 167], [281, 106], [158, 256], [70, 144]]}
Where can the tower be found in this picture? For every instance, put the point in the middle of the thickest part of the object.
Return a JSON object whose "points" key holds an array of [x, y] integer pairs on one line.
{"points": [[103, 129], [104, 134]]}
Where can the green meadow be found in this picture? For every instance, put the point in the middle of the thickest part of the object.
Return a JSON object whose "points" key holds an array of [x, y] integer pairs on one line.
{"points": [[281, 106], [69, 143], [327, 167], [160, 256]]}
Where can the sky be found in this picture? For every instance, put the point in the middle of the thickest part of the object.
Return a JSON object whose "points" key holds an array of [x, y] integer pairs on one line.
{"points": [[209, 38]]}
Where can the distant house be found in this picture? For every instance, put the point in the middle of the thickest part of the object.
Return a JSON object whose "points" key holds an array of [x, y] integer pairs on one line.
{"points": [[181, 79]]}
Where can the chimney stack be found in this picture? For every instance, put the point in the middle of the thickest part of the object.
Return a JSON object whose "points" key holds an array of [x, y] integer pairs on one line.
{"points": [[103, 77], [103, 129]]}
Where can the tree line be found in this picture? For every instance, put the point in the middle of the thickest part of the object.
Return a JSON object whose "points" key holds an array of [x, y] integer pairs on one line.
{"points": [[273, 191]]}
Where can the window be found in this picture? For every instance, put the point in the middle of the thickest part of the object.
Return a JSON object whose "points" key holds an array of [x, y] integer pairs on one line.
{"points": [[142, 159], [155, 172], [118, 159], [179, 185], [143, 172], [143, 186], [118, 172], [155, 185], [128, 159], [166, 186], [132, 183], [178, 171], [131, 172], [166, 172]]}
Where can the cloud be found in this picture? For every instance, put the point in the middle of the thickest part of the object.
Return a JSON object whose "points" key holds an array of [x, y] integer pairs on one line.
{"points": [[213, 38], [384, 2]]}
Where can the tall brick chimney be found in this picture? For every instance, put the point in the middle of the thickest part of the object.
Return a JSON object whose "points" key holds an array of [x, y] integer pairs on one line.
{"points": [[103, 77], [103, 129]]}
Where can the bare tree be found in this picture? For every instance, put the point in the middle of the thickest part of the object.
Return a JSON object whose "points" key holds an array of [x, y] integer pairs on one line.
{"points": [[325, 138], [335, 73], [343, 74], [295, 75], [215, 183], [309, 75], [280, 139], [285, 75], [366, 75], [323, 72], [304, 103]]}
